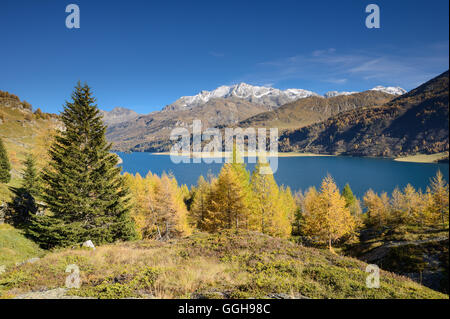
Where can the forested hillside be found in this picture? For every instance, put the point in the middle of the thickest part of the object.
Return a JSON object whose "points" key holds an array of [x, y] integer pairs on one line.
{"points": [[315, 109], [416, 122]]}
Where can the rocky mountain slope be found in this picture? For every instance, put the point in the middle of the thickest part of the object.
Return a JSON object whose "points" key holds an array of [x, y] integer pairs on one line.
{"points": [[118, 115], [229, 106], [152, 132], [416, 122], [314, 109], [224, 265]]}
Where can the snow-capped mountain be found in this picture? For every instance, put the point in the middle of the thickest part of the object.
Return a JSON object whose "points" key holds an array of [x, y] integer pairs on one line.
{"points": [[336, 93], [395, 90], [267, 96]]}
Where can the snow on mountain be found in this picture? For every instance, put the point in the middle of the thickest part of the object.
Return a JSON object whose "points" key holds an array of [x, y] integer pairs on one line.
{"points": [[256, 94], [336, 93], [395, 90], [267, 96]]}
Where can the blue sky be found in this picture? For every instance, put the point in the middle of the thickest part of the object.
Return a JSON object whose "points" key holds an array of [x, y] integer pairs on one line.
{"points": [[145, 54]]}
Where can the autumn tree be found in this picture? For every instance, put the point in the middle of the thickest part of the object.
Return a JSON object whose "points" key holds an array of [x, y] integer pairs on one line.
{"points": [[199, 206], [228, 207], [272, 205], [440, 194], [170, 210], [326, 216], [142, 200], [377, 208], [288, 203]]}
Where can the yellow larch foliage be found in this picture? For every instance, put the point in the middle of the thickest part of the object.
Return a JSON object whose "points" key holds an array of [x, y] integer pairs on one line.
{"points": [[326, 216]]}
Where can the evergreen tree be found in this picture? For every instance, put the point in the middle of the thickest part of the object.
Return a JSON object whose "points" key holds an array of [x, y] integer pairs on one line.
{"points": [[5, 166], [82, 187], [24, 201], [30, 182], [347, 193]]}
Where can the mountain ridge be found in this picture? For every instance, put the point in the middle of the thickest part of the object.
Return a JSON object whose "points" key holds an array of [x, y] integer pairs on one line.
{"points": [[268, 96], [413, 123]]}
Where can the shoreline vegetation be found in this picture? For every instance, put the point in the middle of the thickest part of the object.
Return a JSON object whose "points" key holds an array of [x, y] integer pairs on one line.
{"points": [[418, 158]]}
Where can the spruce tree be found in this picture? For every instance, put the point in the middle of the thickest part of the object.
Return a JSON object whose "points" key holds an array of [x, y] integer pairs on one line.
{"points": [[82, 186], [24, 201], [348, 195], [30, 182], [5, 166]]}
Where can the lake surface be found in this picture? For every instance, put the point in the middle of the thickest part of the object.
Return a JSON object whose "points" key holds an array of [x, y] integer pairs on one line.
{"points": [[302, 172]]}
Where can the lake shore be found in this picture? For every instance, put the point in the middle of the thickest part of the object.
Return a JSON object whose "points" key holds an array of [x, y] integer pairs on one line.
{"points": [[227, 154], [423, 158]]}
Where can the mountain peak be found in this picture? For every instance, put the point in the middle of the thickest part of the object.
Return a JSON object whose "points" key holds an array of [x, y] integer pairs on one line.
{"points": [[395, 90], [336, 93], [118, 114], [267, 96]]}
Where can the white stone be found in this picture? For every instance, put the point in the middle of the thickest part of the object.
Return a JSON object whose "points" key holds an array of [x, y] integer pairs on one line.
{"points": [[89, 244]]}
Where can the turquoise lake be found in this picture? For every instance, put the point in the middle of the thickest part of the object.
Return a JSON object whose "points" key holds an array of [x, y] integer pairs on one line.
{"points": [[302, 172]]}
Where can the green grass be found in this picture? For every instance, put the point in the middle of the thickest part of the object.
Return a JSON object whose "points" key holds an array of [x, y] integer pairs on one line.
{"points": [[14, 247], [245, 265]]}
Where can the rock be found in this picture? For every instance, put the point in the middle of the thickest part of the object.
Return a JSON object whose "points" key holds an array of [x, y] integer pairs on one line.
{"points": [[209, 295], [28, 261], [58, 293], [89, 244], [32, 260], [286, 296]]}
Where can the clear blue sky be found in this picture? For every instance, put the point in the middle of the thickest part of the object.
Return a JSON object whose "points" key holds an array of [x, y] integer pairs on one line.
{"points": [[145, 54]]}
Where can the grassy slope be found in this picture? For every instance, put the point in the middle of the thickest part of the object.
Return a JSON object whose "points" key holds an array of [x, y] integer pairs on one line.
{"points": [[23, 132], [14, 247], [409, 250], [219, 265], [424, 158]]}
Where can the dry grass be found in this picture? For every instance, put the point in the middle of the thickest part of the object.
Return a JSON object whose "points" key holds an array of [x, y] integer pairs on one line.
{"points": [[423, 158], [247, 265]]}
